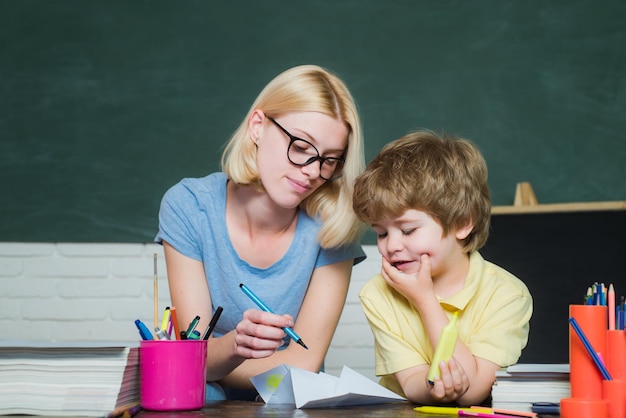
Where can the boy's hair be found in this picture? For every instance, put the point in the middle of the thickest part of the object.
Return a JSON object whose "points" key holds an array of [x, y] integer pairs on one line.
{"points": [[443, 176], [308, 88]]}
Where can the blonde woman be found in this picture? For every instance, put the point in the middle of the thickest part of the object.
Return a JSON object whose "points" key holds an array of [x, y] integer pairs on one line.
{"points": [[277, 219]]}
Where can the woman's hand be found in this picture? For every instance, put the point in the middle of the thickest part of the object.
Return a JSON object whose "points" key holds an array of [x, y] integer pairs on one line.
{"points": [[259, 334]]}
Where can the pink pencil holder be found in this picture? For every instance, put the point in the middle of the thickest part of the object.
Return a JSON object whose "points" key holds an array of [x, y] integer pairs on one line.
{"points": [[172, 374]]}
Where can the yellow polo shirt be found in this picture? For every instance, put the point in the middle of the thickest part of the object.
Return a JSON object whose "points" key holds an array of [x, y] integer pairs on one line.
{"points": [[494, 313]]}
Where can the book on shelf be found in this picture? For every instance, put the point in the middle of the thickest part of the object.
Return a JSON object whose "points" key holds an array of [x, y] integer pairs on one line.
{"points": [[68, 379], [519, 386]]}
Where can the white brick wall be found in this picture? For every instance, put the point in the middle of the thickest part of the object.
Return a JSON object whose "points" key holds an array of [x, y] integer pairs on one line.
{"points": [[94, 292]]}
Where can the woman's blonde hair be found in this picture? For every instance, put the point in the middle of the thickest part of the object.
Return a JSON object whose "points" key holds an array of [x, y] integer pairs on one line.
{"points": [[307, 88], [443, 176]]}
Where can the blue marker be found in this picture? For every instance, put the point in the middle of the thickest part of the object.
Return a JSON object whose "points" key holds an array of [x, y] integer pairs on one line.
{"points": [[265, 308], [143, 330]]}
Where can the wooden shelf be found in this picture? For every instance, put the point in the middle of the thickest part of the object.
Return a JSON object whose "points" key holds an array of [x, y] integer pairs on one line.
{"points": [[559, 207], [526, 202]]}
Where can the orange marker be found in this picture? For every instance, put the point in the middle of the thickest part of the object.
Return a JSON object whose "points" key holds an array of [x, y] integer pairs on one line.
{"points": [[175, 323]]}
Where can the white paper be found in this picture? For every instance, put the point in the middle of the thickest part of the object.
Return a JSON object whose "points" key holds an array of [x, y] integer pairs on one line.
{"points": [[304, 389]]}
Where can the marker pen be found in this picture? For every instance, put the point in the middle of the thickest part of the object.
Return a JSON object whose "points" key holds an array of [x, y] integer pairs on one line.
{"points": [[448, 410], [195, 335], [143, 330], [161, 334], [465, 413], [165, 323], [174, 322], [444, 349], [192, 325], [216, 317], [265, 308]]}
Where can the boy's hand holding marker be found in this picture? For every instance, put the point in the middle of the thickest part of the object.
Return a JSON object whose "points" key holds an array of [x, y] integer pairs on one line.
{"points": [[445, 348]]}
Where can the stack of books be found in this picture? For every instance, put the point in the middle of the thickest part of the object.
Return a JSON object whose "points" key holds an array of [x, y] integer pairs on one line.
{"points": [[68, 379], [520, 386]]}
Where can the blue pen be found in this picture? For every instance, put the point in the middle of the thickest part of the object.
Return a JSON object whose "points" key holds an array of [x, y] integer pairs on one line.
{"points": [[601, 295], [623, 313], [592, 352], [143, 330], [265, 308]]}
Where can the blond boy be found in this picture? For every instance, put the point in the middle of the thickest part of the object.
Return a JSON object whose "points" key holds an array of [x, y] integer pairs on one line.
{"points": [[428, 201]]}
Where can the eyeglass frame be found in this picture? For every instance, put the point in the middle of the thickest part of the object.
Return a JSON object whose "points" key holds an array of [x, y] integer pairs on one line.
{"points": [[322, 160]]}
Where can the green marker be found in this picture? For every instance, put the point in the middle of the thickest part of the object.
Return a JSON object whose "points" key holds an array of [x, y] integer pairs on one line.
{"points": [[192, 325]]}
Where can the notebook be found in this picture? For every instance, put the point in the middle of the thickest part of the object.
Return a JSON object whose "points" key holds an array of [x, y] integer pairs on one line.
{"points": [[520, 386]]}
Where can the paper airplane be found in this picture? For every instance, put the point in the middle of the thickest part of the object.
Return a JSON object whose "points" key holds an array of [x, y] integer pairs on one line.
{"points": [[304, 389]]}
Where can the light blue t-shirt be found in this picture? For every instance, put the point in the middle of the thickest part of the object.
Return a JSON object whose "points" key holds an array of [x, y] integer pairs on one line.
{"points": [[193, 220]]}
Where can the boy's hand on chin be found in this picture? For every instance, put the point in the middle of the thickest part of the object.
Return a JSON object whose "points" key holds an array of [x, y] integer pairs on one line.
{"points": [[408, 283]]}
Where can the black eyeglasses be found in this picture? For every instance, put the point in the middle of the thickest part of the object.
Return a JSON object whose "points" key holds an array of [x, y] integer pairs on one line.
{"points": [[301, 152]]}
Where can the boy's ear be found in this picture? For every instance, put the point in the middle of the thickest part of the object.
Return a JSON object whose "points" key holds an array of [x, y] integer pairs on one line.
{"points": [[464, 231]]}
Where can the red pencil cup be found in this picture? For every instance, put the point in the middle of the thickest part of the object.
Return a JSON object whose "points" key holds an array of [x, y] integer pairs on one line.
{"points": [[614, 391], [584, 408], [585, 377], [616, 353], [172, 374]]}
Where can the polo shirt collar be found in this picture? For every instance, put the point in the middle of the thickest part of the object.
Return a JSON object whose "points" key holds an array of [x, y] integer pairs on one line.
{"points": [[459, 300]]}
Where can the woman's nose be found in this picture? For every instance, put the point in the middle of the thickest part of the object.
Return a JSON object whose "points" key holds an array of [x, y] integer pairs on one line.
{"points": [[313, 170]]}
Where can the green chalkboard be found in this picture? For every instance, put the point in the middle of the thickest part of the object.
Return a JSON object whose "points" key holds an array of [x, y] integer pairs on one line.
{"points": [[105, 104]]}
